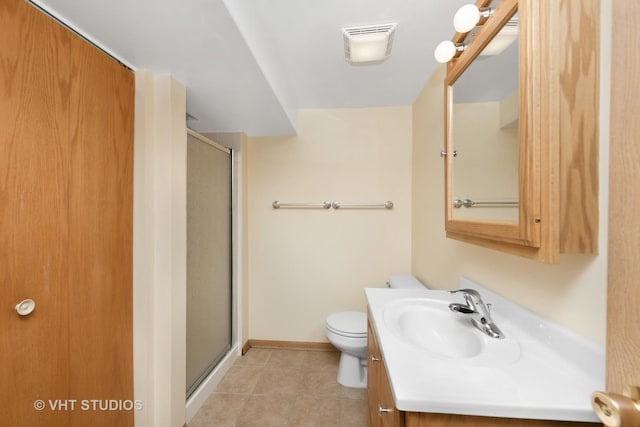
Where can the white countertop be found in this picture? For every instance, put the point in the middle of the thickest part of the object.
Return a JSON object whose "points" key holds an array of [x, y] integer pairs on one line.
{"points": [[552, 378]]}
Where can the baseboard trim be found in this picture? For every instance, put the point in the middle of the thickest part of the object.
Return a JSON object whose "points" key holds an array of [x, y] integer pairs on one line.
{"points": [[245, 348], [291, 345]]}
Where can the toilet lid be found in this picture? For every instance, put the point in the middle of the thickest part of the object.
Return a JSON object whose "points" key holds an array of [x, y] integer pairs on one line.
{"points": [[348, 323]]}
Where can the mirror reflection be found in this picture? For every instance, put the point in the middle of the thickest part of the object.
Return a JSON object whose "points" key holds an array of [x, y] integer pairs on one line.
{"points": [[484, 132]]}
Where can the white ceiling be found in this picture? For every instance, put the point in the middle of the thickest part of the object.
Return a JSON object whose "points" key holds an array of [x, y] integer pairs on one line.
{"points": [[250, 65]]}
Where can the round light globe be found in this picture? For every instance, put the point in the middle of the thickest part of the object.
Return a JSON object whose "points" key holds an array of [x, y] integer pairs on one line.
{"points": [[445, 51], [466, 18]]}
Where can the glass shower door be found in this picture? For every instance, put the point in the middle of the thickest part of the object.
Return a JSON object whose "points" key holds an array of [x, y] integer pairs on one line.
{"points": [[208, 257]]}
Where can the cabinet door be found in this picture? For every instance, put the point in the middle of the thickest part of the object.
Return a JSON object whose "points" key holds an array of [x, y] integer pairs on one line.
{"points": [[373, 377], [557, 139], [382, 410], [390, 416]]}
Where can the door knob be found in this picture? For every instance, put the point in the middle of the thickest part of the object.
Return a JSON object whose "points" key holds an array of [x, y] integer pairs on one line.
{"points": [[25, 307], [618, 410]]}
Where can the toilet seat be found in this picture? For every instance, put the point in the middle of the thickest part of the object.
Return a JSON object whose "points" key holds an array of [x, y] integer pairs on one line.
{"points": [[352, 324]]}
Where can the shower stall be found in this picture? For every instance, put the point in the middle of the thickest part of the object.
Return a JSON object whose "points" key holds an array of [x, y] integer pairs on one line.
{"points": [[209, 257]]}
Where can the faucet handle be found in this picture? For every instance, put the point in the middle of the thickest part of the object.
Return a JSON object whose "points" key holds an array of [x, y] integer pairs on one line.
{"points": [[466, 291], [470, 295], [479, 310]]}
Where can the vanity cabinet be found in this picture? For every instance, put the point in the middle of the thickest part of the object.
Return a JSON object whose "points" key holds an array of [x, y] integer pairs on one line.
{"points": [[552, 192], [382, 411]]}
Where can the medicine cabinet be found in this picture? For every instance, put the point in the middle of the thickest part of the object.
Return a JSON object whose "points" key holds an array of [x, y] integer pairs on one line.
{"points": [[521, 130]]}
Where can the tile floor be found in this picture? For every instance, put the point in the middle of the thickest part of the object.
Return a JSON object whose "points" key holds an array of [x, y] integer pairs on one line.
{"points": [[283, 388]]}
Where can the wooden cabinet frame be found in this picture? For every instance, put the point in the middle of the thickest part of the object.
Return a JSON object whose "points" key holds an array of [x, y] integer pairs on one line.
{"points": [[381, 406], [558, 130]]}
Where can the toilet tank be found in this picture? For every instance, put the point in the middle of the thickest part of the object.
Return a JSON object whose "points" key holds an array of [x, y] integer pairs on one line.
{"points": [[405, 281]]}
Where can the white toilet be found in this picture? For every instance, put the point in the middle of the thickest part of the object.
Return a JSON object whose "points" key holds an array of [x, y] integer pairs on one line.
{"points": [[347, 331]]}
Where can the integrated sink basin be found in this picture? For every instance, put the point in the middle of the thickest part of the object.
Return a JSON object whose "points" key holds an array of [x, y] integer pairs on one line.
{"points": [[437, 361], [429, 326]]}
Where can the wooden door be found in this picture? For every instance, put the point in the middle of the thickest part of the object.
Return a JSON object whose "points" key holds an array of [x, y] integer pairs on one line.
{"points": [[66, 151], [623, 296]]}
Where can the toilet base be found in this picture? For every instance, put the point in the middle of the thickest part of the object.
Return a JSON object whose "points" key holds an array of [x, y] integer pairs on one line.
{"points": [[352, 371]]}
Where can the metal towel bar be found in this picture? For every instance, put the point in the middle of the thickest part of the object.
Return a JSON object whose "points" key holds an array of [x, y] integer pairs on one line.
{"points": [[323, 205], [468, 203], [386, 205], [335, 205]]}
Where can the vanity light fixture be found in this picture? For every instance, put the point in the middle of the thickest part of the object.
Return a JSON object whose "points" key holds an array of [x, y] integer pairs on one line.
{"points": [[446, 50], [468, 16], [465, 20], [369, 43]]}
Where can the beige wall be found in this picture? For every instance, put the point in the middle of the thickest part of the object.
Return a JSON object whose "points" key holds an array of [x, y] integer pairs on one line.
{"points": [[159, 246], [306, 264], [571, 293]]}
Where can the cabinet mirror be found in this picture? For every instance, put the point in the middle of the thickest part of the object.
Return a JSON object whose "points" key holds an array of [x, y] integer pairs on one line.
{"points": [[484, 132], [486, 149]]}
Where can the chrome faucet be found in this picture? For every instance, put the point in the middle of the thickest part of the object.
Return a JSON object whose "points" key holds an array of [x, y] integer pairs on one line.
{"points": [[478, 310]]}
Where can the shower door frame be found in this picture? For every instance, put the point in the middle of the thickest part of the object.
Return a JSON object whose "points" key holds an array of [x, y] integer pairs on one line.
{"points": [[194, 388]]}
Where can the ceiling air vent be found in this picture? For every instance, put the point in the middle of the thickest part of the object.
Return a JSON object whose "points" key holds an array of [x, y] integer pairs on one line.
{"points": [[369, 43]]}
